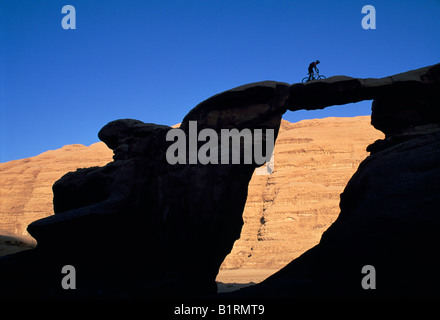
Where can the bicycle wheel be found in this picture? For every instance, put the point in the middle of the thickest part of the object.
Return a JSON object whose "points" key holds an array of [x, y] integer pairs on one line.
{"points": [[305, 79], [320, 77]]}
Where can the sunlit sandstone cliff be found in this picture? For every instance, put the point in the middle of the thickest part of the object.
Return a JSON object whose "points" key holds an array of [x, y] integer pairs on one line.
{"points": [[26, 184], [285, 214]]}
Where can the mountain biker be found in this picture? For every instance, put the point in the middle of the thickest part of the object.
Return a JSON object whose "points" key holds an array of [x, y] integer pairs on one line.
{"points": [[311, 67]]}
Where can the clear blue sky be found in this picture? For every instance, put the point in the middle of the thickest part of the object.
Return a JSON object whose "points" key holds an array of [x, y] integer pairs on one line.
{"points": [[155, 60]]}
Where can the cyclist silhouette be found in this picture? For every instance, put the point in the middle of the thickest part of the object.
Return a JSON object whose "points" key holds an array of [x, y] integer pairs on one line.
{"points": [[311, 67]]}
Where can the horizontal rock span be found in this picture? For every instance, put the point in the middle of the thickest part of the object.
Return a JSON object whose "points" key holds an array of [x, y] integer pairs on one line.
{"points": [[187, 217], [393, 107]]}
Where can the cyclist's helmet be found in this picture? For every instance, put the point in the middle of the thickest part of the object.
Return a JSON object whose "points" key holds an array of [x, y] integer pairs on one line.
{"points": [[317, 61]]}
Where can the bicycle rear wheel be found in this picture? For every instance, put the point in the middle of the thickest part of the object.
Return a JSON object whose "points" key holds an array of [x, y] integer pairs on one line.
{"points": [[305, 79]]}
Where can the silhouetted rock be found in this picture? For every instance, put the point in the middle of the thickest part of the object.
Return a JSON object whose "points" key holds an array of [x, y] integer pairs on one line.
{"points": [[400, 94], [389, 210], [188, 216], [285, 214], [389, 219], [413, 101]]}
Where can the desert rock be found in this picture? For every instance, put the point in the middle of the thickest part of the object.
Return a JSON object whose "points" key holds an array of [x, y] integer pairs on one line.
{"points": [[189, 215], [389, 212], [287, 212], [26, 184]]}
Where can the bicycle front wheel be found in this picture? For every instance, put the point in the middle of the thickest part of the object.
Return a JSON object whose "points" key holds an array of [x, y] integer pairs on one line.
{"points": [[320, 77]]}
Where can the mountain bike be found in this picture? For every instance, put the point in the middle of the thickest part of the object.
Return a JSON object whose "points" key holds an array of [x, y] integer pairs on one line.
{"points": [[315, 76]]}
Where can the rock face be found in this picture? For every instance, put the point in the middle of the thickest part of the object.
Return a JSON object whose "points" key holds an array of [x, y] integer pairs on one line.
{"points": [[327, 152], [190, 215], [287, 212], [388, 219], [389, 212], [182, 220], [26, 184]]}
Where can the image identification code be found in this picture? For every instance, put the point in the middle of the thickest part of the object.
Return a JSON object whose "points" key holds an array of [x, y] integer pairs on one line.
{"points": [[222, 309]]}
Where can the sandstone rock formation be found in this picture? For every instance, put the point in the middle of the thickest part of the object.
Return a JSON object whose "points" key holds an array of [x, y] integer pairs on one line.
{"points": [[389, 210], [287, 212], [26, 184], [388, 219], [189, 215]]}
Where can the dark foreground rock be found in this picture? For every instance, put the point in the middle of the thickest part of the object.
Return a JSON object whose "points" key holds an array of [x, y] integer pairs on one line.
{"points": [[142, 227], [389, 220]]}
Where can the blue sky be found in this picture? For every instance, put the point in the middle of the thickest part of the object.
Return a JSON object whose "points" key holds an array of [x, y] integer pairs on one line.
{"points": [[155, 60]]}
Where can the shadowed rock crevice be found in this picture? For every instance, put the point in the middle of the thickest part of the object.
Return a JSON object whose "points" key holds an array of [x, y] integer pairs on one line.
{"points": [[188, 216]]}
